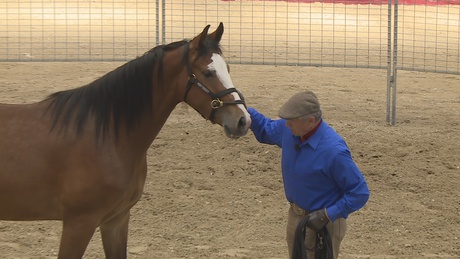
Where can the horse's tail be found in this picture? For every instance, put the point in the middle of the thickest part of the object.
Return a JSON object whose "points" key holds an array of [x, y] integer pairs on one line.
{"points": [[323, 246]]}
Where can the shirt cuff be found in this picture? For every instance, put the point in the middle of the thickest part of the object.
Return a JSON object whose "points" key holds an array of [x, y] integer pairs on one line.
{"points": [[333, 213]]}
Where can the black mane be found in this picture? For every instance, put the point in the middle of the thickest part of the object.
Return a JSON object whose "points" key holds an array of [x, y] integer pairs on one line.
{"points": [[123, 95], [119, 98]]}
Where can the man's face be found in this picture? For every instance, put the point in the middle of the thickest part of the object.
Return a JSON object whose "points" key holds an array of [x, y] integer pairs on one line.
{"points": [[300, 127]]}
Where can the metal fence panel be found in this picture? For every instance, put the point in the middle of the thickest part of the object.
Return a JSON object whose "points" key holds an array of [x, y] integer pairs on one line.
{"points": [[257, 32], [73, 30], [288, 33], [342, 33], [429, 37]]}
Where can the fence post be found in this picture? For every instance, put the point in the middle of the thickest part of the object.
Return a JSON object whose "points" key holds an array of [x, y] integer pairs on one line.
{"points": [[395, 62], [392, 61], [389, 59]]}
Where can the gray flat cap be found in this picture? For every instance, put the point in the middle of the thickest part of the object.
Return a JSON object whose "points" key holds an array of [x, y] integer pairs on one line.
{"points": [[300, 104]]}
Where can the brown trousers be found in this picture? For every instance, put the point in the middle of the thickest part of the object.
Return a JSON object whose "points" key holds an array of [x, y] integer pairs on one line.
{"points": [[336, 230]]}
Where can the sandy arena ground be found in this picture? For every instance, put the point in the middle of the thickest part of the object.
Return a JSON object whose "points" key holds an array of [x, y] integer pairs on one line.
{"points": [[207, 196]]}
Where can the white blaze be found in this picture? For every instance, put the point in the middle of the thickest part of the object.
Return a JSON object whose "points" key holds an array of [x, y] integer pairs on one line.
{"points": [[219, 65]]}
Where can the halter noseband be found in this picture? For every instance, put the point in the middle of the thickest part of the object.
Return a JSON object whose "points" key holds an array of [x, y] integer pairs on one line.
{"points": [[216, 103]]}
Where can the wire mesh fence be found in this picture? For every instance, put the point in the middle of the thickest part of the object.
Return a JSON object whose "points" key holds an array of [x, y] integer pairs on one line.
{"points": [[342, 33], [428, 37], [73, 30], [289, 33]]}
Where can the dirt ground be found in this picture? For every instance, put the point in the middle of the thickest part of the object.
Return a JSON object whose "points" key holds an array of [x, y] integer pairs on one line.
{"points": [[207, 196]]}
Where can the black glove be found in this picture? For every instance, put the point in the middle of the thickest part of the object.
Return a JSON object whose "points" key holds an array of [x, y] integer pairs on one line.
{"points": [[317, 219]]}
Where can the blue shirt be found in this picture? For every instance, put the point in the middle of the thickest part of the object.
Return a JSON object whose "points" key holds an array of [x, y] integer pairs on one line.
{"points": [[317, 173]]}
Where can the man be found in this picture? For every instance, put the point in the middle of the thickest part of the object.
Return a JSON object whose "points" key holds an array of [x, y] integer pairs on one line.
{"points": [[321, 180]]}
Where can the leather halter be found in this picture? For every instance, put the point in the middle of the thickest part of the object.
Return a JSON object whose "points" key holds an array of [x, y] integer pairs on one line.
{"points": [[216, 103]]}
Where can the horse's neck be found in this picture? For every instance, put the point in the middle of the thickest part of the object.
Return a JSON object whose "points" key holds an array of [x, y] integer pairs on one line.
{"points": [[149, 129], [165, 98]]}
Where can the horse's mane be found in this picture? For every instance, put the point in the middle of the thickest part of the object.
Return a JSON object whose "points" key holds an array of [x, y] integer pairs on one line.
{"points": [[121, 97]]}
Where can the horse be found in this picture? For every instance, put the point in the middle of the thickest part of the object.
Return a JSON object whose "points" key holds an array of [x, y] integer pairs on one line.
{"points": [[80, 156]]}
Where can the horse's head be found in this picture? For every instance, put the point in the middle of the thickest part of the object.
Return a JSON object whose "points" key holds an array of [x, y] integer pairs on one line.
{"points": [[210, 89]]}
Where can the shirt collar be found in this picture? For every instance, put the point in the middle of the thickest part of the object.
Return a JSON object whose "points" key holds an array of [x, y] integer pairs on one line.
{"points": [[311, 132], [317, 132]]}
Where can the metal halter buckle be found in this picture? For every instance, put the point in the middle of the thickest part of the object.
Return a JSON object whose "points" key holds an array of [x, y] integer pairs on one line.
{"points": [[216, 103]]}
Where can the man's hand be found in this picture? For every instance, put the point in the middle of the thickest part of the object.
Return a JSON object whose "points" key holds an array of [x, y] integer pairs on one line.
{"points": [[317, 219]]}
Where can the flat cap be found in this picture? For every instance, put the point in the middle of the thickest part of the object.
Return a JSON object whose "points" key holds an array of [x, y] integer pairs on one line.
{"points": [[300, 104]]}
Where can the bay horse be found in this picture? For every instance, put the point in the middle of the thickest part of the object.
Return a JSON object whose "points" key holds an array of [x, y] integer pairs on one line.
{"points": [[79, 155]]}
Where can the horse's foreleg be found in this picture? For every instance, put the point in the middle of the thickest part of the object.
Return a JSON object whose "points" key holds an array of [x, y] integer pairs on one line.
{"points": [[114, 235], [76, 234]]}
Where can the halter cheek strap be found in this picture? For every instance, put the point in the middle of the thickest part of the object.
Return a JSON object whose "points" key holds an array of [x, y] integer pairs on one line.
{"points": [[216, 103]]}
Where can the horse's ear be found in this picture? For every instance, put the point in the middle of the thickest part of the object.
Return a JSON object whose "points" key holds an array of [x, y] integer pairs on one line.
{"points": [[217, 34], [198, 41], [203, 35]]}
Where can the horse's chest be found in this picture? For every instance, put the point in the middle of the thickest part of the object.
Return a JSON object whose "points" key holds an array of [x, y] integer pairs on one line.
{"points": [[134, 189], [124, 186]]}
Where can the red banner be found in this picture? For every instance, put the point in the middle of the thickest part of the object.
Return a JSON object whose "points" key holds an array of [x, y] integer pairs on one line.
{"points": [[373, 2]]}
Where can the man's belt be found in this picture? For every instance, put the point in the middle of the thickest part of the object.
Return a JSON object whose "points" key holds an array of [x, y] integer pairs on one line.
{"points": [[298, 210]]}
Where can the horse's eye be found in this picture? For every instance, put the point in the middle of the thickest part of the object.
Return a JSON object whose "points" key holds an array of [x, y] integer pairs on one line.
{"points": [[208, 74]]}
